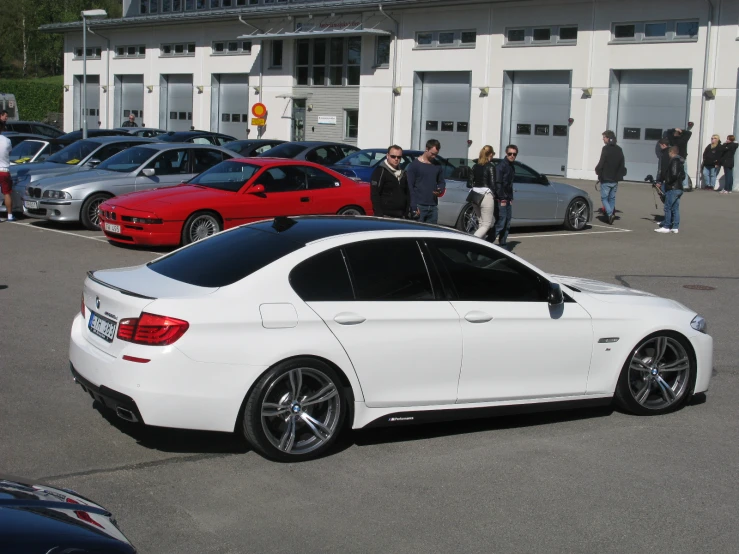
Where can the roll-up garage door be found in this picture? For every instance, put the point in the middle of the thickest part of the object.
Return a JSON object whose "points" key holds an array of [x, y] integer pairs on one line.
{"points": [[177, 114], [442, 112], [132, 99], [230, 100], [93, 101], [539, 112], [648, 102]]}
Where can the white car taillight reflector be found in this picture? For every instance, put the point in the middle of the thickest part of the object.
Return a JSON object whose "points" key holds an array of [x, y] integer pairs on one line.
{"points": [[152, 329]]}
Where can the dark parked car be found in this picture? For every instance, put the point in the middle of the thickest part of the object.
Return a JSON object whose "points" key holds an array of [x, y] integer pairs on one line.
{"points": [[197, 137], [72, 136], [17, 138], [146, 132], [252, 147], [324, 153], [47, 520], [33, 127], [360, 165]]}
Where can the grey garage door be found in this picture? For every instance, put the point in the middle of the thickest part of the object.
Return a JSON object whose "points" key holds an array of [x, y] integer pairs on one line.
{"points": [[93, 101], [129, 98], [175, 102], [441, 110], [539, 108], [230, 104], [645, 104]]}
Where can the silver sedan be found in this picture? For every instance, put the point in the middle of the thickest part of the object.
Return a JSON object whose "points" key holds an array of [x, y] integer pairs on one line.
{"points": [[77, 196], [537, 201]]}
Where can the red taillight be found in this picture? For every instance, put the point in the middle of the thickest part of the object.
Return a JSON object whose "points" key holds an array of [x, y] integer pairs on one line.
{"points": [[152, 330], [82, 309]]}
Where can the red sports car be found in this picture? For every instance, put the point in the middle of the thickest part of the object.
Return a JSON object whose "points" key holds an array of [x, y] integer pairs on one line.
{"points": [[228, 194]]}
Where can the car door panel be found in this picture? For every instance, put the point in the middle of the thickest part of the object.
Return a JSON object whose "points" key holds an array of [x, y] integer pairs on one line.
{"points": [[171, 167], [532, 200], [285, 194]]}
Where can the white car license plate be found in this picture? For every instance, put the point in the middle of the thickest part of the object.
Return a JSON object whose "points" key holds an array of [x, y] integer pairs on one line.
{"points": [[30, 204], [101, 326], [113, 228]]}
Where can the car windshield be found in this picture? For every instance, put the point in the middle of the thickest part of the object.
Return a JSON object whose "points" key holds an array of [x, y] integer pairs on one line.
{"points": [[128, 160], [26, 150], [229, 176], [74, 153], [286, 150]]}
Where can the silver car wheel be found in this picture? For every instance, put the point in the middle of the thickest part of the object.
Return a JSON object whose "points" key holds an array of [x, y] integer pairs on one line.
{"points": [[300, 411], [577, 214], [470, 221], [659, 372], [203, 226], [93, 211], [351, 211]]}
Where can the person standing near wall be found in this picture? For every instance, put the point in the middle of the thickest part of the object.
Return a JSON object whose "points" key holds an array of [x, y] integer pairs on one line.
{"points": [[727, 162], [482, 181], [712, 162], [680, 137], [611, 169], [426, 183], [674, 176], [505, 172]]}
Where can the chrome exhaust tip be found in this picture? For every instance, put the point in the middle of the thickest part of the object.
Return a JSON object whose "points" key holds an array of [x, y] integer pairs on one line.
{"points": [[123, 413]]}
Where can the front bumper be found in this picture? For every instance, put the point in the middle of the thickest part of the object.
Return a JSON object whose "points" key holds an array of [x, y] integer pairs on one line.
{"points": [[53, 210], [168, 233], [703, 347]]}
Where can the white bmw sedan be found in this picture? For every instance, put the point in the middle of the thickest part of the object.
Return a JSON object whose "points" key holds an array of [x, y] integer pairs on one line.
{"points": [[294, 329]]}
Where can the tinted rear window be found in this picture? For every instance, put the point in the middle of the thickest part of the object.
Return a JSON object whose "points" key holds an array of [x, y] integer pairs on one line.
{"points": [[286, 150], [224, 258], [322, 278]]}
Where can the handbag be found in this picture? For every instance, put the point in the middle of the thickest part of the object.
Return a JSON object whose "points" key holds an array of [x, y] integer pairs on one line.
{"points": [[475, 198]]}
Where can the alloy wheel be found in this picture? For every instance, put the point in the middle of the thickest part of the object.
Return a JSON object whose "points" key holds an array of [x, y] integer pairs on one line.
{"points": [[577, 215], [93, 212], [350, 211], [659, 372], [300, 411], [202, 227], [470, 221]]}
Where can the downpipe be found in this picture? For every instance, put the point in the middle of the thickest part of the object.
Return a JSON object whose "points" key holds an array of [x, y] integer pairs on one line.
{"points": [[395, 73], [698, 175]]}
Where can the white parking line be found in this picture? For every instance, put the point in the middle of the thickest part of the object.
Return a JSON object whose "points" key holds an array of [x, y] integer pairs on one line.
{"points": [[58, 231], [575, 234]]}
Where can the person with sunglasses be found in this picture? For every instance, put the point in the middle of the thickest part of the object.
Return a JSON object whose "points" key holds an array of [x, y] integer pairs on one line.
{"points": [[389, 186], [504, 174], [611, 169]]}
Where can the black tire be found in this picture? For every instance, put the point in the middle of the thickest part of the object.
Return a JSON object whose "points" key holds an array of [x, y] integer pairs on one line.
{"points": [[351, 210], [467, 220], [272, 414], [89, 216], [201, 225], [575, 218], [639, 390]]}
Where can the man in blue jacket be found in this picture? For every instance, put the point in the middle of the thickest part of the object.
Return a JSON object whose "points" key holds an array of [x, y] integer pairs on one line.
{"points": [[426, 183], [504, 174]]}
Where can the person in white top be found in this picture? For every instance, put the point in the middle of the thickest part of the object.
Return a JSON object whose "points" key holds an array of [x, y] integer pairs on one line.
{"points": [[6, 183], [481, 181]]}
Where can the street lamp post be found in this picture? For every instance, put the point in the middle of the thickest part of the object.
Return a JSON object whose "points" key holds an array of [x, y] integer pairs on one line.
{"points": [[92, 14]]}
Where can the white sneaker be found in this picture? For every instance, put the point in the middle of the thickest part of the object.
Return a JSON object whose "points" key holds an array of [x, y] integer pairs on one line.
{"points": [[674, 231], [11, 217], [662, 230]]}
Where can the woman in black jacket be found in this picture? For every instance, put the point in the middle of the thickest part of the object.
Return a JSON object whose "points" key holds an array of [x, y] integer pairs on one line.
{"points": [[481, 181], [727, 161], [711, 162]]}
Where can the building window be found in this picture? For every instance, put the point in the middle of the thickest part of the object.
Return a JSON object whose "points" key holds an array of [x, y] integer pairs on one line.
{"points": [[221, 47], [92, 53], [130, 51], [382, 51], [276, 54], [351, 119], [178, 49], [654, 31], [542, 36], [446, 39], [328, 62]]}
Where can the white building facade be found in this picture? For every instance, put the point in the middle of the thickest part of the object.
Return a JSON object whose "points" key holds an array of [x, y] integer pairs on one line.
{"points": [[547, 75]]}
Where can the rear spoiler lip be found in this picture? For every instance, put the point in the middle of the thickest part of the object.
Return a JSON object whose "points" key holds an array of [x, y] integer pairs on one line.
{"points": [[91, 276]]}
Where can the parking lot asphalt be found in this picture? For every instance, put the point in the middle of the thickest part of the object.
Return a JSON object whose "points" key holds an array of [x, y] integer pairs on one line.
{"points": [[580, 481]]}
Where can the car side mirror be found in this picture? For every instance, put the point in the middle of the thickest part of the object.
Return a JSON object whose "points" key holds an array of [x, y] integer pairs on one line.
{"points": [[544, 180], [94, 162], [257, 189], [148, 172], [555, 296]]}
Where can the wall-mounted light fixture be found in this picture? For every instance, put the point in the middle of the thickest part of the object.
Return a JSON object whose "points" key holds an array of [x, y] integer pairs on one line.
{"points": [[587, 92], [256, 90], [150, 88], [105, 88], [200, 89], [66, 88], [709, 93], [484, 91], [310, 107], [397, 91]]}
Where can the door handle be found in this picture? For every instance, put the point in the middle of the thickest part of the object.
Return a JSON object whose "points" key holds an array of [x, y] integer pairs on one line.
{"points": [[478, 317], [349, 318], [305, 199]]}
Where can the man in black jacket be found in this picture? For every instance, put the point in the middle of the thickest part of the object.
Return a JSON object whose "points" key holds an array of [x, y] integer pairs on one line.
{"points": [[504, 174], [673, 184], [610, 170], [389, 186], [680, 137]]}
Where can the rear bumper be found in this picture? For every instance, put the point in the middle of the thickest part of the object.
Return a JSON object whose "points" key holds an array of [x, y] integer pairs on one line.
{"points": [[108, 397]]}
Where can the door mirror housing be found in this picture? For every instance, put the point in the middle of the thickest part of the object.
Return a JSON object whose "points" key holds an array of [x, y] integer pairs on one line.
{"points": [[257, 189], [148, 172], [555, 296], [92, 162], [544, 180]]}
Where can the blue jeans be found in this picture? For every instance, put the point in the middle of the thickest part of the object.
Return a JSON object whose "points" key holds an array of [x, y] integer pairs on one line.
{"points": [[728, 178], [672, 209], [429, 214], [608, 196], [503, 222], [709, 177]]}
